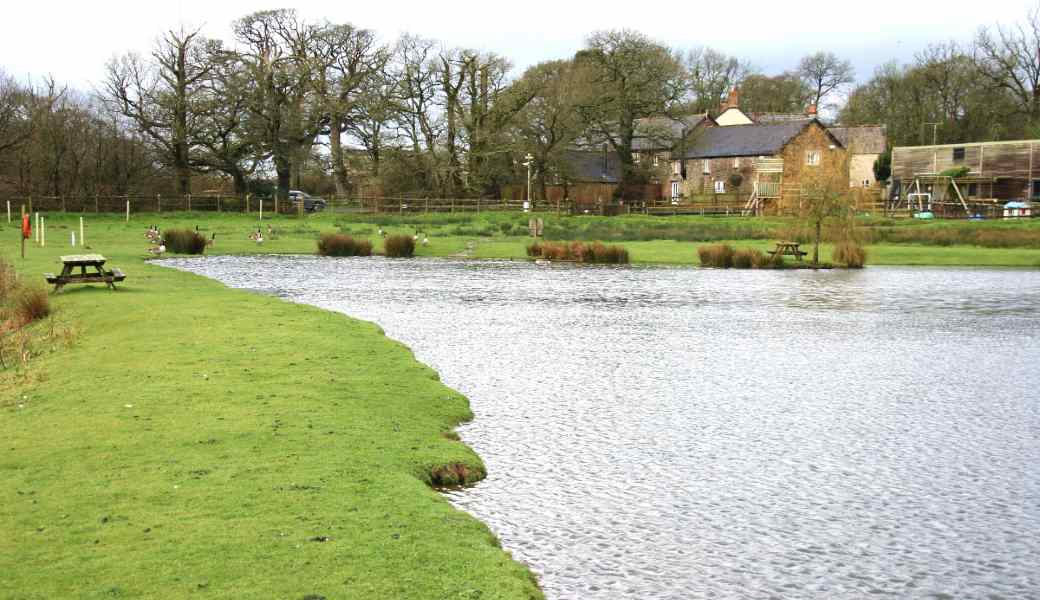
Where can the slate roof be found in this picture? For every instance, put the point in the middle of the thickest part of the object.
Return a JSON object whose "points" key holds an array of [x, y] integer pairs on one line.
{"points": [[743, 140], [589, 166], [861, 139]]}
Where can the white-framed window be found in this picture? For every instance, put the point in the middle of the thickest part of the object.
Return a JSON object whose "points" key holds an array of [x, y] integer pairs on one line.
{"points": [[812, 158], [635, 158], [676, 167], [676, 191], [736, 163], [720, 186], [707, 167], [656, 160]]}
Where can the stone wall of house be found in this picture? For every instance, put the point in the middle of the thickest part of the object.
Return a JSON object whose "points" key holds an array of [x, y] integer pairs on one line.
{"points": [[833, 162], [719, 170], [861, 169]]}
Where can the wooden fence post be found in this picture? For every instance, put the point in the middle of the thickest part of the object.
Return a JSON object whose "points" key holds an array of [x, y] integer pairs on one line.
{"points": [[158, 202]]}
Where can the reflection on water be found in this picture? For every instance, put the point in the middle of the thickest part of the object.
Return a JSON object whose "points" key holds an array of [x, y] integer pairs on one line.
{"points": [[680, 433]]}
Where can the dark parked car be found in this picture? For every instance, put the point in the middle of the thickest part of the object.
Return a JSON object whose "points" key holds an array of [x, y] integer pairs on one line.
{"points": [[310, 203]]}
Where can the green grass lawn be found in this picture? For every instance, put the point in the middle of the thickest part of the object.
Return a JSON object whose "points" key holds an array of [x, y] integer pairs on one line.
{"points": [[186, 439], [194, 440]]}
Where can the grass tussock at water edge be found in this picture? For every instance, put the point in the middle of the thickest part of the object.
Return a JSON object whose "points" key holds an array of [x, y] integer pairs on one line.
{"points": [[594, 253], [399, 246], [850, 254], [184, 241], [338, 244], [723, 256]]}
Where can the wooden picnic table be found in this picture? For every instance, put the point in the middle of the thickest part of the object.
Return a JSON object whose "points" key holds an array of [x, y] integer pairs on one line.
{"points": [[97, 274], [788, 249]]}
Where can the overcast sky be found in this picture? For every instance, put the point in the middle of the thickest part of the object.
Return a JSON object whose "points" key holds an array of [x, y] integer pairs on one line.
{"points": [[73, 40]]}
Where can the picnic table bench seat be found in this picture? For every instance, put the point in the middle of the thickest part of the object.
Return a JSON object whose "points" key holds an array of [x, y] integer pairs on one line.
{"points": [[789, 249], [98, 274]]}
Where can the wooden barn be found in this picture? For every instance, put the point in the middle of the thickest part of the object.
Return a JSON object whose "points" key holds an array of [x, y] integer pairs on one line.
{"points": [[959, 180]]}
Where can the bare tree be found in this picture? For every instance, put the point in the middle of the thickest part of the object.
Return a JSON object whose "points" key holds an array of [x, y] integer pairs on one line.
{"points": [[352, 62], [627, 77], [221, 140], [158, 93], [489, 109], [417, 75], [1009, 59], [549, 123], [16, 105], [825, 74], [278, 54], [711, 75], [371, 118], [784, 93]]}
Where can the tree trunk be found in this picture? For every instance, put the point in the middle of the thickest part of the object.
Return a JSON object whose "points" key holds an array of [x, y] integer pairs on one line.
{"points": [[241, 187], [283, 167], [183, 179], [339, 166]]}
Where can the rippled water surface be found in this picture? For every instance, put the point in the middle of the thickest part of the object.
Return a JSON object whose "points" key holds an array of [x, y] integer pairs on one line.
{"points": [[682, 433]]}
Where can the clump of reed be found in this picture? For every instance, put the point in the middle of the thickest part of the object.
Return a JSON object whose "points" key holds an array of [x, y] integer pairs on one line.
{"points": [[8, 280], [31, 303], [184, 241], [338, 244], [850, 254], [723, 256], [762, 260], [399, 246], [744, 258], [596, 252], [719, 256]]}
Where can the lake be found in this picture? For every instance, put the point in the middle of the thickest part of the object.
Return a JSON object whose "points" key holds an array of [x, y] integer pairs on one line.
{"points": [[691, 433]]}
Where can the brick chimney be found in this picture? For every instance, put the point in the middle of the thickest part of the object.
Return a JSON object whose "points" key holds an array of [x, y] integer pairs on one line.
{"points": [[810, 111], [733, 101]]}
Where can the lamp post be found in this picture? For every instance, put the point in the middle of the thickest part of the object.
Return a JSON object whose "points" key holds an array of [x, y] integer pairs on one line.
{"points": [[528, 160]]}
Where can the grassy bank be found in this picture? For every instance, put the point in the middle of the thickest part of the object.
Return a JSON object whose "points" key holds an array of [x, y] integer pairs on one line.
{"points": [[179, 438], [187, 440]]}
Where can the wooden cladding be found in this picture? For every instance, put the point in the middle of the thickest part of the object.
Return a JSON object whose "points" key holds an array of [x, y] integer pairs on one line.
{"points": [[1019, 160]]}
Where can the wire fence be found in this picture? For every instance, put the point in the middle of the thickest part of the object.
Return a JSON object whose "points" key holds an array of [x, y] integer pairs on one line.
{"points": [[719, 204]]}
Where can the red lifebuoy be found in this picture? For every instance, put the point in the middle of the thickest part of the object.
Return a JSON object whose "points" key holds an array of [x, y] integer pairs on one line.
{"points": [[26, 227]]}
